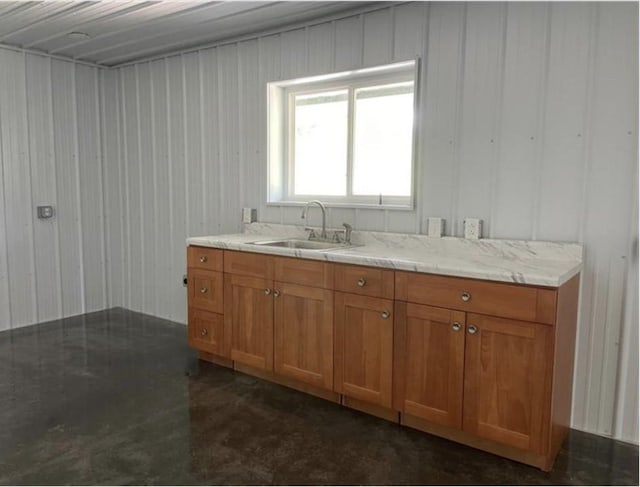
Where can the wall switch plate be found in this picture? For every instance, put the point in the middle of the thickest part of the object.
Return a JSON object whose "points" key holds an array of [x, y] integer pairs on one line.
{"points": [[249, 215], [472, 228], [45, 212], [435, 227]]}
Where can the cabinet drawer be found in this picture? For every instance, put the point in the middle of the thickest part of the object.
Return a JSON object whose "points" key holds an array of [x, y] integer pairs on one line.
{"points": [[204, 258], [304, 272], [506, 300], [367, 281], [206, 331], [205, 290], [248, 264]]}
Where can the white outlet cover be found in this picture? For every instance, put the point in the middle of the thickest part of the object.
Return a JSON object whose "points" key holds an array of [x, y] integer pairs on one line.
{"points": [[472, 228]]}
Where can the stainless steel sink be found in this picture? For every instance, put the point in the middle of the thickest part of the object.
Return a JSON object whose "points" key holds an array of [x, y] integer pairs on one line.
{"points": [[294, 243]]}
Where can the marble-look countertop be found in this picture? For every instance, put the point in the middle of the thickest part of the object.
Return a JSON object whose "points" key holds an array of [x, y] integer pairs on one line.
{"points": [[526, 262]]}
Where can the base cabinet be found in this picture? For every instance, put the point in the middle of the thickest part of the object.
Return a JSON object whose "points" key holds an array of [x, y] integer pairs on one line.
{"points": [[304, 334], [486, 364], [364, 348], [248, 319], [507, 381], [429, 363]]}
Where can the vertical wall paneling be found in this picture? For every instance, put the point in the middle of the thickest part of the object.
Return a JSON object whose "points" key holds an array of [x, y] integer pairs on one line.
{"points": [[163, 231], [43, 187], [90, 185], [17, 189], [522, 98], [177, 182], [269, 60], [112, 188], [527, 120], [443, 69]]}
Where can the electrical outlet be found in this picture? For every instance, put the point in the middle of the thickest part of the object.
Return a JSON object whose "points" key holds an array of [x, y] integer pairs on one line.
{"points": [[45, 212], [249, 215], [472, 228], [435, 227]]}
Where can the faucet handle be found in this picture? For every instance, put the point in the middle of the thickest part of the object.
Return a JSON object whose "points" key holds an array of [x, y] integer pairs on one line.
{"points": [[347, 232], [312, 233]]}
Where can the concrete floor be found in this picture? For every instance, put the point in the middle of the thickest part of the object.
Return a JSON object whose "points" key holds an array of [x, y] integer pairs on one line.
{"points": [[116, 397]]}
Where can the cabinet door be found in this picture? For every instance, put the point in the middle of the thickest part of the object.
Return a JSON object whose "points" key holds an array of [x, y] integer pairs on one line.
{"points": [[206, 331], [507, 381], [248, 318], [304, 334], [429, 363], [364, 348]]}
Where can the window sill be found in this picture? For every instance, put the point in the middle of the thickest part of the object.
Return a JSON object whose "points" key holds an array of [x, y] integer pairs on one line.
{"points": [[353, 206]]}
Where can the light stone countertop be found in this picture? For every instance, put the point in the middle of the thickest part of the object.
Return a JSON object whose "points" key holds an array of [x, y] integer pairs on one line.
{"points": [[526, 262]]}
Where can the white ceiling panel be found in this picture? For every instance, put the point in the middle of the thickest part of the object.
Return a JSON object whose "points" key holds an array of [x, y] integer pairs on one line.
{"points": [[123, 31]]}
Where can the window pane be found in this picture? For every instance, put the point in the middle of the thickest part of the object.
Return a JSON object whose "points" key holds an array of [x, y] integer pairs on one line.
{"points": [[383, 140], [320, 166]]}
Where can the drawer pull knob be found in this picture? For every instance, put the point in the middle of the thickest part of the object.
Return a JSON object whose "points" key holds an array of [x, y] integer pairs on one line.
{"points": [[361, 282], [203, 290], [267, 292], [276, 293], [465, 296], [472, 329], [204, 332], [203, 259], [384, 314], [456, 326]]}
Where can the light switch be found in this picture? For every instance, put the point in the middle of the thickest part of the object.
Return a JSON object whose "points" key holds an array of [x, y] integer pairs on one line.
{"points": [[435, 227], [249, 215], [45, 212]]}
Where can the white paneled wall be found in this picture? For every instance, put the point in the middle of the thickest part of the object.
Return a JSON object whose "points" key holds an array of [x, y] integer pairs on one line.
{"points": [[528, 120], [50, 154]]}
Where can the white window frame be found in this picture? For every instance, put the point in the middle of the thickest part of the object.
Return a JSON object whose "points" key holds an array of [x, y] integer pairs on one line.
{"points": [[280, 114]]}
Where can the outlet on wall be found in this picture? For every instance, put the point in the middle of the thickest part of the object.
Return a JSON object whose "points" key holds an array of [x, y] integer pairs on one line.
{"points": [[249, 215], [472, 228], [435, 227]]}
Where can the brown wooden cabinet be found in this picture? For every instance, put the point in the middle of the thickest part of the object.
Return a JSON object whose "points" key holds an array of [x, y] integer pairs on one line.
{"points": [[248, 320], [364, 348], [507, 381], [429, 363], [304, 334]]}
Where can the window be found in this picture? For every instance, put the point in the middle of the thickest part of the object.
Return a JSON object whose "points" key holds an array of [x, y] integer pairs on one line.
{"points": [[345, 138]]}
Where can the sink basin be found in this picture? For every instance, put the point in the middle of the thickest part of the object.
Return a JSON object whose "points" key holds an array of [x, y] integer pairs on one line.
{"points": [[294, 243]]}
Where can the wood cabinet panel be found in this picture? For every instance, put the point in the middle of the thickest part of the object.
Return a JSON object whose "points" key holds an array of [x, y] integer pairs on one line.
{"points": [[248, 318], [304, 272], [507, 381], [364, 348], [304, 334], [206, 331], [205, 290], [497, 299], [204, 258], [248, 264], [366, 281], [429, 363]]}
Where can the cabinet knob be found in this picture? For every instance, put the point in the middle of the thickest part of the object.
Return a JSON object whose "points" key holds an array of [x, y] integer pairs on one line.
{"points": [[203, 259], [267, 291], [203, 290], [203, 332], [384, 314], [472, 329], [456, 326], [276, 293], [465, 296], [361, 282]]}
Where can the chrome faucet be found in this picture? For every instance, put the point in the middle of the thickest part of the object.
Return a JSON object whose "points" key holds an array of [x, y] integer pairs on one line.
{"points": [[305, 214]]}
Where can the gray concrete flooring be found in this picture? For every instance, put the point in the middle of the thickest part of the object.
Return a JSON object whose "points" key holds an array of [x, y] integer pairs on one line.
{"points": [[117, 397]]}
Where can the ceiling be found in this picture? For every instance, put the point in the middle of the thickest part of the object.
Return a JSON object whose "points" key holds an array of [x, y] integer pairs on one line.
{"points": [[123, 31]]}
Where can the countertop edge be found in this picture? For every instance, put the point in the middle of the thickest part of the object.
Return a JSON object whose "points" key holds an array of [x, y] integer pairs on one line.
{"points": [[393, 263]]}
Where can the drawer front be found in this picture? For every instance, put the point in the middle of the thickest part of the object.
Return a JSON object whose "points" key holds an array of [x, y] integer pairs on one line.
{"points": [[205, 290], [490, 298], [366, 281], [304, 272], [248, 264], [204, 258], [206, 331]]}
